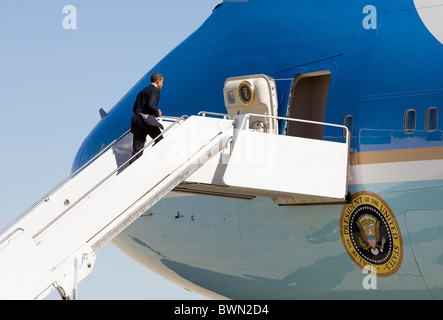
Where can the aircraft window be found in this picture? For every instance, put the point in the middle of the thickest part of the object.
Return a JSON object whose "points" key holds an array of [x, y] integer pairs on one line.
{"points": [[348, 121], [431, 122], [409, 121]]}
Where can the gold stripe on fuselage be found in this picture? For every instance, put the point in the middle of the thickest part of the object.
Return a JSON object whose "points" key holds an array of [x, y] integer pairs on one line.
{"points": [[400, 155]]}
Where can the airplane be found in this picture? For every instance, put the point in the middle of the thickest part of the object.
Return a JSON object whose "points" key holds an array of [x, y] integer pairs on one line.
{"points": [[369, 73], [373, 66]]}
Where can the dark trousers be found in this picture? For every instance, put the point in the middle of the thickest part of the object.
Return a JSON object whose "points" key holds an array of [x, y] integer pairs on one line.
{"points": [[140, 131]]}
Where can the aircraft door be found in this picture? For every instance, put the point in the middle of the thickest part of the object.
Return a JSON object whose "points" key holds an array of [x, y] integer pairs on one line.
{"points": [[307, 101], [255, 94]]}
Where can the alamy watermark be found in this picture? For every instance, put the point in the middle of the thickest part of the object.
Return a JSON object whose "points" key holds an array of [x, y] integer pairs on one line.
{"points": [[70, 17], [370, 19], [370, 281]]}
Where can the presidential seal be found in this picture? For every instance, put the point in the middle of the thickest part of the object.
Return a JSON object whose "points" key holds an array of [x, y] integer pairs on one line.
{"points": [[245, 93], [370, 234]]}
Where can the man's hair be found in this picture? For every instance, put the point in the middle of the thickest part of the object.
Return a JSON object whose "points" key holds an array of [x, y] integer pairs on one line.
{"points": [[156, 77]]}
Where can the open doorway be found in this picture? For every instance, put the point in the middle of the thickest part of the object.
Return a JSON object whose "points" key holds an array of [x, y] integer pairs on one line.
{"points": [[309, 94]]}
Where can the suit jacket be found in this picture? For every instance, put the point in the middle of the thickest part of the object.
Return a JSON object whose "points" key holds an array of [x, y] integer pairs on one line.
{"points": [[146, 104]]}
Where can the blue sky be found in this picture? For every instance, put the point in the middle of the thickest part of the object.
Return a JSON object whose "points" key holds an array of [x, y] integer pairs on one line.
{"points": [[53, 82]]}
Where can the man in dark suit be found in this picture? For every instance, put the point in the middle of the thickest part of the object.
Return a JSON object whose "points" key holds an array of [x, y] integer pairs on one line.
{"points": [[144, 120]]}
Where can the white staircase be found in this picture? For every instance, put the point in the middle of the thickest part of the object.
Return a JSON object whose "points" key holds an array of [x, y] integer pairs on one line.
{"points": [[54, 244], [289, 170]]}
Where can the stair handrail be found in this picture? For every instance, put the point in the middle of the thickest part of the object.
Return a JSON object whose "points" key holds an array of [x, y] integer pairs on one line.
{"points": [[204, 113], [46, 197], [58, 186], [248, 115], [184, 117]]}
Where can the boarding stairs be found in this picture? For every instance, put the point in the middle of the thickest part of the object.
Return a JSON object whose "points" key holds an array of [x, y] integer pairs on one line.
{"points": [[52, 245], [289, 170]]}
